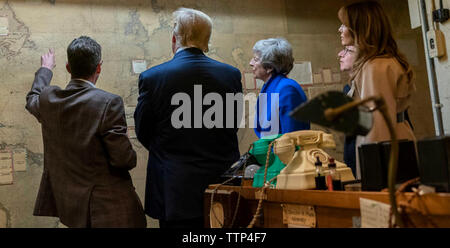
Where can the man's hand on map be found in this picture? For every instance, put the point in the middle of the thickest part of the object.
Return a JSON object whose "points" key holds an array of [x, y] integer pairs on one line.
{"points": [[48, 59]]}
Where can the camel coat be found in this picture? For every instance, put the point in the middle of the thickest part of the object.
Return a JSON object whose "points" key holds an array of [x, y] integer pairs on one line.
{"points": [[384, 76]]}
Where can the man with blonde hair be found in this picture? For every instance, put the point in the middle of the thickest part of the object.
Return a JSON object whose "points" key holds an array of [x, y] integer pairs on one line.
{"points": [[192, 29], [186, 152]]}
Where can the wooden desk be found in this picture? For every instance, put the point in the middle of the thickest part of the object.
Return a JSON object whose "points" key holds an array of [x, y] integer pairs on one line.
{"points": [[338, 209]]}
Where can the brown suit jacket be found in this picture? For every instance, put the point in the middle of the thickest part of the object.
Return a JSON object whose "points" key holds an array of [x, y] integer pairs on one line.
{"points": [[87, 156]]}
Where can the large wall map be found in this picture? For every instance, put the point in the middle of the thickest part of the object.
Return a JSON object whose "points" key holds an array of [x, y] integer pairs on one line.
{"points": [[18, 35], [134, 30]]}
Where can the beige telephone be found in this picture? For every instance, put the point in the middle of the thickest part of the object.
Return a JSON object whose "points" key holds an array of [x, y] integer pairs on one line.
{"points": [[298, 150]]}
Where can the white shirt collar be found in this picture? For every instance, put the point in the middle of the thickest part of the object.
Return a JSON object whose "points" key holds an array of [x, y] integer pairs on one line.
{"points": [[180, 49], [84, 80]]}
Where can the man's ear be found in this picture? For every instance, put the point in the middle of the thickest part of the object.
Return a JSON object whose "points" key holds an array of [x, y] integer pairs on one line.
{"points": [[68, 68], [174, 44], [99, 68]]}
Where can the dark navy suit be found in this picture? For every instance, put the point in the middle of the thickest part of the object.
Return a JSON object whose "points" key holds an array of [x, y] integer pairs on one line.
{"points": [[183, 162]]}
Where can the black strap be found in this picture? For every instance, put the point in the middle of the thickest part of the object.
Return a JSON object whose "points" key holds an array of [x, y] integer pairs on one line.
{"points": [[401, 117]]}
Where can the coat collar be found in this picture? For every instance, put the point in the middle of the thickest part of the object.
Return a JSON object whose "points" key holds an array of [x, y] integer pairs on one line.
{"points": [[188, 51], [78, 84], [274, 79]]}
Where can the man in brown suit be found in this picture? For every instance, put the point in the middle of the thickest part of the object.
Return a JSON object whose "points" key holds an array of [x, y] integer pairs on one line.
{"points": [[87, 154]]}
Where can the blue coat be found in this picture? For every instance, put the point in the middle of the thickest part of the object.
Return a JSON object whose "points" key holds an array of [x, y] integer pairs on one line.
{"points": [[183, 161], [290, 96]]}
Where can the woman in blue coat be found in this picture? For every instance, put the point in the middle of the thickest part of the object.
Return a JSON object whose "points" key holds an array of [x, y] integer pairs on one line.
{"points": [[272, 61]]}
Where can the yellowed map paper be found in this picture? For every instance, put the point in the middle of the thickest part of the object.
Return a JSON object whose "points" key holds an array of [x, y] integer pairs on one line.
{"points": [[317, 78], [259, 83], [336, 77], [249, 81], [4, 26], [131, 132], [129, 115], [327, 75], [3, 219]]}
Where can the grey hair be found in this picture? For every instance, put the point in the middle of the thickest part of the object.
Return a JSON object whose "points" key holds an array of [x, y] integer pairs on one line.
{"points": [[192, 28], [276, 54]]}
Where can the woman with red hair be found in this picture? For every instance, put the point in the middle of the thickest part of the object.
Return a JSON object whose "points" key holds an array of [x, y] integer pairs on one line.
{"points": [[379, 69]]}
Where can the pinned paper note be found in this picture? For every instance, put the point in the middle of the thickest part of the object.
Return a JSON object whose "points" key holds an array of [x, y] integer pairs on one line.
{"points": [[299, 215], [20, 159], [3, 25], [302, 73], [139, 66], [374, 214], [6, 168]]}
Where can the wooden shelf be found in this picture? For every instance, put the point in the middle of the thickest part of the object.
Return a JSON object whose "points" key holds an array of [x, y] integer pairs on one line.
{"points": [[333, 208]]}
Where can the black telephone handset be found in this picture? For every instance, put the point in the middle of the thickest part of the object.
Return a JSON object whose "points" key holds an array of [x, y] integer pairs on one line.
{"points": [[237, 169], [238, 166]]}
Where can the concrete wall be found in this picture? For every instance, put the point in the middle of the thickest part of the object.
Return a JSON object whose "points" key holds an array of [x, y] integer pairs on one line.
{"points": [[310, 26]]}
